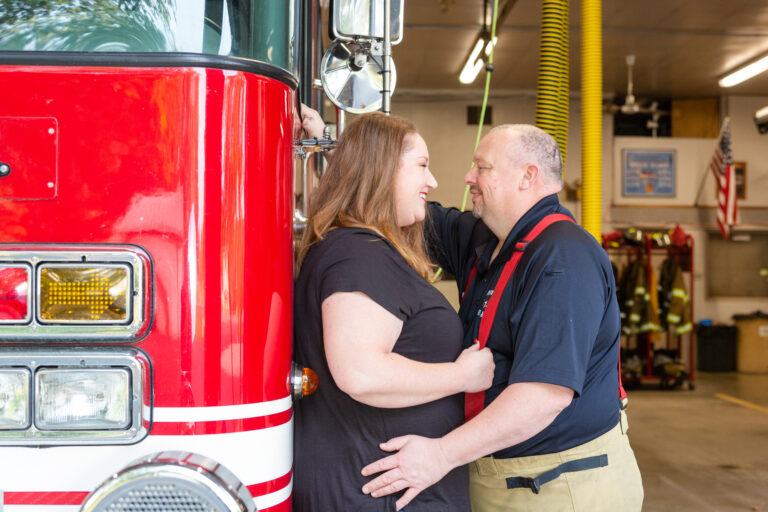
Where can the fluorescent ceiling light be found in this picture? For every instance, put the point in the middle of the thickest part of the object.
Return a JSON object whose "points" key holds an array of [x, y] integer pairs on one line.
{"points": [[490, 45], [745, 73], [475, 63]]}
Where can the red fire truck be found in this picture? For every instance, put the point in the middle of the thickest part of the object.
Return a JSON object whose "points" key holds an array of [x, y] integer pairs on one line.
{"points": [[146, 246]]}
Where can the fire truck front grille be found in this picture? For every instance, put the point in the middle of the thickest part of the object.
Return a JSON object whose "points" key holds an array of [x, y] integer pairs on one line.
{"points": [[166, 497], [171, 482]]}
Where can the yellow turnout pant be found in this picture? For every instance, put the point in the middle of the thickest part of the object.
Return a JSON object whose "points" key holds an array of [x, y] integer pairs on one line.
{"points": [[616, 487]]}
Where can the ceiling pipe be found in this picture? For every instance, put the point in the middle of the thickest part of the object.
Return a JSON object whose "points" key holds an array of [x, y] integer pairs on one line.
{"points": [[591, 116]]}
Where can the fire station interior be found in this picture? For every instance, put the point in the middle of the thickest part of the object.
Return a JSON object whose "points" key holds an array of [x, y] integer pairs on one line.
{"points": [[698, 398]]}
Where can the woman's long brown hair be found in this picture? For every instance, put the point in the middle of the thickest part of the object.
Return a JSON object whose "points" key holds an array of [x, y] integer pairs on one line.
{"points": [[357, 189]]}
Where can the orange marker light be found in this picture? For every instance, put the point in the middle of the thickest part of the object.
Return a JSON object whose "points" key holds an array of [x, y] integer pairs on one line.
{"points": [[309, 381], [302, 381]]}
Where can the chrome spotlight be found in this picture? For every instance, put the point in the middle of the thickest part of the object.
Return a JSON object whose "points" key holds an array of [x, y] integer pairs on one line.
{"points": [[171, 482]]}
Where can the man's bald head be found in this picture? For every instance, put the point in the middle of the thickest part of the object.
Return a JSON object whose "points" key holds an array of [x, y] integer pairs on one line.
{"points": [[529, 144]]}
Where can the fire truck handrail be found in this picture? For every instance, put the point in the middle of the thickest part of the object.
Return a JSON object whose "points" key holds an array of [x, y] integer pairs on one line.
{"points": [[146, 59]]}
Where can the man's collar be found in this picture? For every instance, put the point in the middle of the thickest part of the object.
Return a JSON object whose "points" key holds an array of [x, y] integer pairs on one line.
{"points": [[547, 205]]}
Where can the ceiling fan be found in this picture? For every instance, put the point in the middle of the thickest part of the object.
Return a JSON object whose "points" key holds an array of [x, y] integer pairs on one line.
{"points": [[631, 105]]}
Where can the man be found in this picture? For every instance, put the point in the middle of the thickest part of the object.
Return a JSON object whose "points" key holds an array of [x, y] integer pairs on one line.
{"points": [[549, 434]]}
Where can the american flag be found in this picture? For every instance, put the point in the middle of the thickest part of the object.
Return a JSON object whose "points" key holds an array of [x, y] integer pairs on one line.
{"points": [[725, 180]]}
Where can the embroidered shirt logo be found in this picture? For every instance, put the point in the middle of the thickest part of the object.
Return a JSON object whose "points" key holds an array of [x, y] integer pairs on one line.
{"points": [[484, 303]]}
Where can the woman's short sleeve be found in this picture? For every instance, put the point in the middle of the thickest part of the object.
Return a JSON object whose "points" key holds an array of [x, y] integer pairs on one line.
{"points": [[360, 261]]}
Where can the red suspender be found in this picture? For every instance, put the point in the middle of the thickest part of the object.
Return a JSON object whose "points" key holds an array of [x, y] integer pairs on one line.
{"points": [[473, 402], [622, 394], [471, 275]]}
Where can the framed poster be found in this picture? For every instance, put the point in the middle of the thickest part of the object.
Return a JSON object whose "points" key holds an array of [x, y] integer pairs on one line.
{"points": [[740, 173], [648, 173]]}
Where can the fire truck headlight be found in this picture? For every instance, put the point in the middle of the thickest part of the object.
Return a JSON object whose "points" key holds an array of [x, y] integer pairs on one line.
{"points": [[14, 398], [84, 293], [95, 399]]}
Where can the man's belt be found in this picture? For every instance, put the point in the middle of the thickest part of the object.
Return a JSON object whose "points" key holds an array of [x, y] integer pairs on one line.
{"points": [[535, 484]]}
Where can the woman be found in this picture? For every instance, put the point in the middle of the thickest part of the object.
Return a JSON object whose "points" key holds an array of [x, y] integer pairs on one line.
{"points": [[385, 344]]}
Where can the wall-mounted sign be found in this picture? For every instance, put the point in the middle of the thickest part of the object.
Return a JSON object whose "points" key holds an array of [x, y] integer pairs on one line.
{"points": [[648, 173], [740, 173]]}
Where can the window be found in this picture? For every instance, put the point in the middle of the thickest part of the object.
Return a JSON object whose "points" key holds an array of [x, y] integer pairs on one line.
{"points": [[738, 267], [254, 29]]}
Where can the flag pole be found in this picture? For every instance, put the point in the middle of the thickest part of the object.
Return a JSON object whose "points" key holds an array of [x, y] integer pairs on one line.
{"points": [[701, 187], [726, 121]]}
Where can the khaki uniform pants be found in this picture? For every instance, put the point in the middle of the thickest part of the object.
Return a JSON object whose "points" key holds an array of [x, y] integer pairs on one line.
{"points": [[616, 487]]}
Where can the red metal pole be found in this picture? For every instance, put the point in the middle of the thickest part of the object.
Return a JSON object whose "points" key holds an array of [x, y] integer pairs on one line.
{"points": [[692, 355], [648, 272]]}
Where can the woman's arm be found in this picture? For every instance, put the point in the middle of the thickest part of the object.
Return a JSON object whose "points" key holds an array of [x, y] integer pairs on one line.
{"points": [[359, 334]]}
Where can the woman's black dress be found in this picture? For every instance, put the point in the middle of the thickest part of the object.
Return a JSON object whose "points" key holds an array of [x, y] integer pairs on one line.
{"points": [[335, 435]]}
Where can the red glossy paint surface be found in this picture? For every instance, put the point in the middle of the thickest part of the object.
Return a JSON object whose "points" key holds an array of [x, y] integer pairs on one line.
{"points": [[44, 498], [30, 178], [194, 166]]}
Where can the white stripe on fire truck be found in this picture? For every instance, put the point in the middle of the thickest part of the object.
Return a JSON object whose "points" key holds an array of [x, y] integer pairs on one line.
{"points": [[220, 412], [254, 456], [262, 502], [275, 498]]}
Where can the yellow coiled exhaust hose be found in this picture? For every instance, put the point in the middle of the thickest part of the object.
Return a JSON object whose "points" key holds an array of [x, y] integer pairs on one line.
{"points": [[591, 116], [553, 83]]}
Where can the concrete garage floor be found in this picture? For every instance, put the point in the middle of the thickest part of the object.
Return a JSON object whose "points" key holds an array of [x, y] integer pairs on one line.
{"points": [[699, 452]]}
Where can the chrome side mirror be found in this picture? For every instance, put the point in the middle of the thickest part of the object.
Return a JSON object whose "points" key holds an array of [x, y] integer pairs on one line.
{"points": [[355, 19], [357, 70], [352, 75]]}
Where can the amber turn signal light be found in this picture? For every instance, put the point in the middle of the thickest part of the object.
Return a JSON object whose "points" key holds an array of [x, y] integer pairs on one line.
{"points": [[308, 381], [84, 293], [303, 381]]}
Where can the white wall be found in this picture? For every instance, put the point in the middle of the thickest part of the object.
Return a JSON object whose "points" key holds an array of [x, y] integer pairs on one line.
{"points": [[442, 123], [441, 119], [751, 147]]}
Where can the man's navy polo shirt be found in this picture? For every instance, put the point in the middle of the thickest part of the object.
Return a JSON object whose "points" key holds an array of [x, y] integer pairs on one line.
{"points": [[557, 321]]}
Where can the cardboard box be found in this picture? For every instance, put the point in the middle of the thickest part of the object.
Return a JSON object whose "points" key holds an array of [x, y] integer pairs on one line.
{"points": [[752, 342]]}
